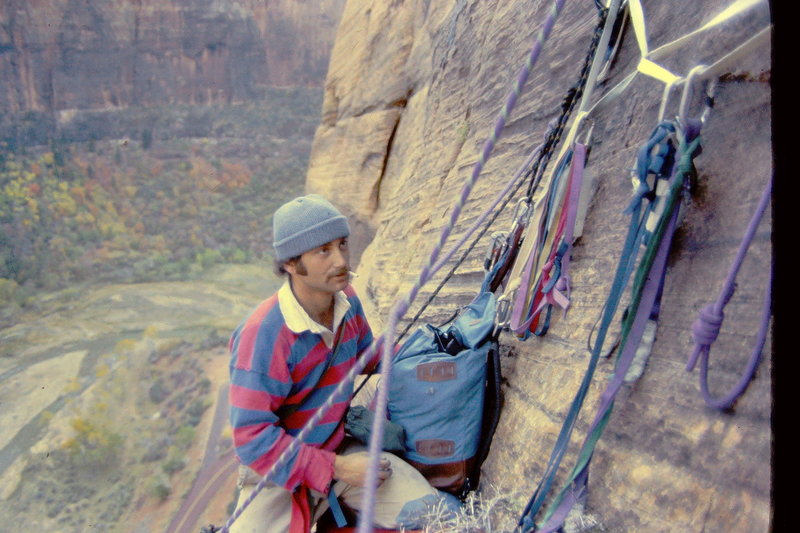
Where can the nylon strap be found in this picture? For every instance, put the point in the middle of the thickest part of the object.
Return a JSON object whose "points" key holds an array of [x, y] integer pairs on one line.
{"points": [[644, 166], [734, 10], [556, 288], [647, 63], [645, 291], [529, 304], [336, 508]]}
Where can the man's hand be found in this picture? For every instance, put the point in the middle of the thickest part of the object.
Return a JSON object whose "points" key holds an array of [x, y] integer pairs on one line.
{"points": [[352, 469]]}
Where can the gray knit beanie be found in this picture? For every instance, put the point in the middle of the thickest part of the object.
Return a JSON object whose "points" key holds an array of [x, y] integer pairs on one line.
{"points": [[305, 223]]}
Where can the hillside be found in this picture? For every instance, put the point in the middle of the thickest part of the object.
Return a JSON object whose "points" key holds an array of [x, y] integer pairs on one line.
{"points": [[130, 210], [106, 400]]}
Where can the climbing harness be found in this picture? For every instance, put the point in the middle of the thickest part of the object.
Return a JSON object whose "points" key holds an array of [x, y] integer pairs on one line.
{"points": [[706, 328]]}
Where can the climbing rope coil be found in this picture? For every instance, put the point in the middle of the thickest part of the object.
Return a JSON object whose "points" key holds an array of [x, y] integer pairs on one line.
{"points": [[706, 328], [530, 261]]}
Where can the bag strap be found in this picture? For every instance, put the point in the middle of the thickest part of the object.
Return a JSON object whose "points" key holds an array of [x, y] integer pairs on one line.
{"points": [[491, 414]]}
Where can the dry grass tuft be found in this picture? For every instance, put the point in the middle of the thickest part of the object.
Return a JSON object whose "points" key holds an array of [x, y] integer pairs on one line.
{"points": [[497, 510], [490, 510]]}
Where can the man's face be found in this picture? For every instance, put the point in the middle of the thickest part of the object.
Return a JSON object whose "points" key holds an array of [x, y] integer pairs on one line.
{"points": [[325, 269]]}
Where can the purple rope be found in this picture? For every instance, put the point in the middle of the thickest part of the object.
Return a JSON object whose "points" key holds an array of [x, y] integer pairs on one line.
{"points": [[400, 309], [707, 326], [300, 437], [368, 500], [480, 220]]}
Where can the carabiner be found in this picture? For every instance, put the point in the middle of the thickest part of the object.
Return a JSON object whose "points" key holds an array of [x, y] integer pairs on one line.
{"points": [[687, 90], [496, 248], [521, 213], [502, 314]]}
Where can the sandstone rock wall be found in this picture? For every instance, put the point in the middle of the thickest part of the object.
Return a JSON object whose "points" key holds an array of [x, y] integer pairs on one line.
{"points": [[412, 91], [64, 55]]}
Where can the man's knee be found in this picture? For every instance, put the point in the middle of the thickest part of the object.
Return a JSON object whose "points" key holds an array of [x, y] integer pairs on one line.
{"points": [[269, 512], [417, 513], [405, 498]]}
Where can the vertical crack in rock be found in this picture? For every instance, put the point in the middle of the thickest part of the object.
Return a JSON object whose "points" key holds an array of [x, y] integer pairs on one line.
{"points": [[706, 514], [375, 194]]}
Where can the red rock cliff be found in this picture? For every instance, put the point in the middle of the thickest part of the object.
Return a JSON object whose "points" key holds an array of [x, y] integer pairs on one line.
{"points": [[76, 54], [412, 93]]}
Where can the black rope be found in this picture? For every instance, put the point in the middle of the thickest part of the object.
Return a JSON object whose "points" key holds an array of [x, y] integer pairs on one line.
{"points": [[535, 172], [572, 95]]}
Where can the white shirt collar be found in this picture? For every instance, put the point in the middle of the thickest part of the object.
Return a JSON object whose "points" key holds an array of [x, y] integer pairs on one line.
{"points": [[299, 321]]}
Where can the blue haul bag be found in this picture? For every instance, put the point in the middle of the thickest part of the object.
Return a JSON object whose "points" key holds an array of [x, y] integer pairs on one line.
{"points": [[445, 392]]}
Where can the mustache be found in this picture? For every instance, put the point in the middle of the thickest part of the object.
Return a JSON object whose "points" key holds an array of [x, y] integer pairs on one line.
{"points": [[340, 272]]}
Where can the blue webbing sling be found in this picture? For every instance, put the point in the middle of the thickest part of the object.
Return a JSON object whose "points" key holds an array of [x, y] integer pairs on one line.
{"points": [[655, 158]]}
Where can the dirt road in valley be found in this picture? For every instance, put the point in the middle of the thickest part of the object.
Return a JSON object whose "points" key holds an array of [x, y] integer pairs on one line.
{"points": [[216, 470]]}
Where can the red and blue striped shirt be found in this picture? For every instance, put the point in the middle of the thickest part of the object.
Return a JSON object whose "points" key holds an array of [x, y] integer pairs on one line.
{"points": [[280, 376]]}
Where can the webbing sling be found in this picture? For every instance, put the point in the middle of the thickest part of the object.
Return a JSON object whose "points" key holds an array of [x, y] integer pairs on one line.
{"points": [[736, 9], [530, 297], [706, 328], [648, 169], [644, 292], [556, 272], [525, 286], [514, 239], [551, 285]]}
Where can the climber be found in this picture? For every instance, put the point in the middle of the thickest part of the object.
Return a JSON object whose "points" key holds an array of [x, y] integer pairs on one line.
{"points": [[286, 359]]}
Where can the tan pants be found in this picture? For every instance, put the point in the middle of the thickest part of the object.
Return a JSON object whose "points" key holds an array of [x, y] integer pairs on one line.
{"points": [[398, 501]]}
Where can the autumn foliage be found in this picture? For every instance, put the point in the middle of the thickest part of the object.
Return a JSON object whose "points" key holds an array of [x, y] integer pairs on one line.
{"points": [[120, 211]]}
